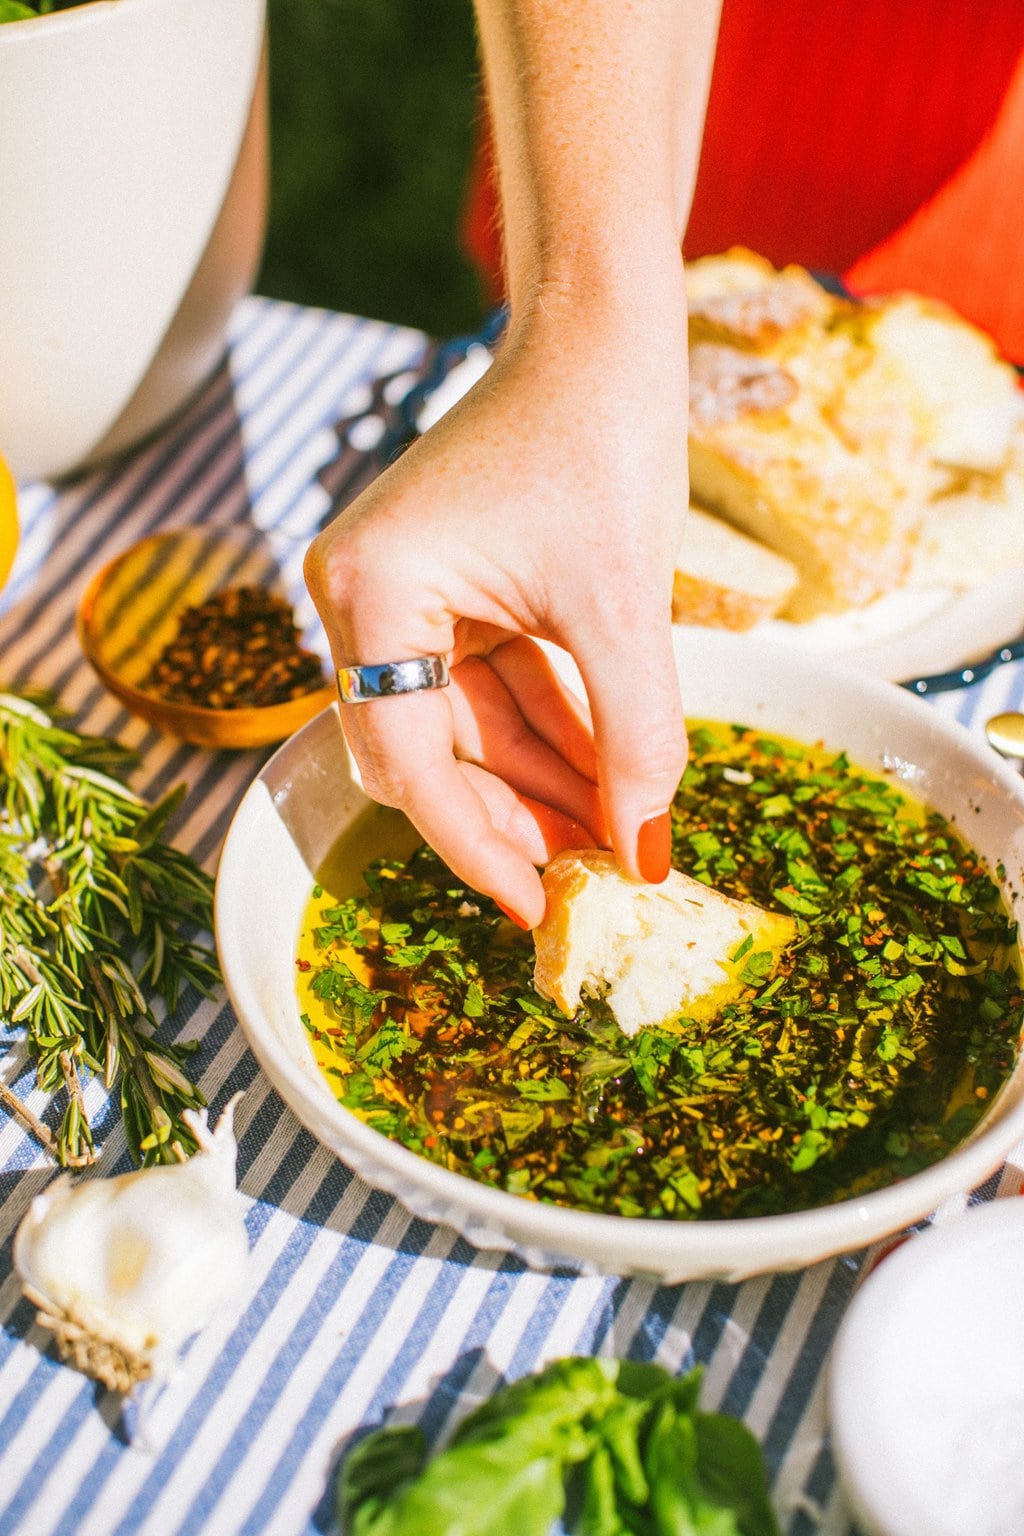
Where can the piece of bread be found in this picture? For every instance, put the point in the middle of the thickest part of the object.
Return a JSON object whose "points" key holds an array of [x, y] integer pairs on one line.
{"points": [[725, 580], [764, 454], [653, 952], [740, 299], [966, 397], [826, 428]]}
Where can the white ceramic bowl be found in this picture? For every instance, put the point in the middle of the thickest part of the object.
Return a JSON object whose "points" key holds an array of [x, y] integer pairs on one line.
{"points": [[926, 1382], [306, 797], [132, 184]]}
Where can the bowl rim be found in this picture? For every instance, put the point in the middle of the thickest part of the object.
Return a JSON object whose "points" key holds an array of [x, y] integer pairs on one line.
{"points": [[560, 1233]]}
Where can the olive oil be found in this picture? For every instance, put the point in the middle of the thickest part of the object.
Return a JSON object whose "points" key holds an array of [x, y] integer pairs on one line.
{"points": [[877, 1045]]}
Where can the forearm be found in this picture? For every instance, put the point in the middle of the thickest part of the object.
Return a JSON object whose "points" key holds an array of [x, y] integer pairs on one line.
{"points": [[597, 110]]}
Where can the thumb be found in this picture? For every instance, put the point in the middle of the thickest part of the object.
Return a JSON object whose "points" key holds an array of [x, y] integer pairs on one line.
{"points": [[640, 737]]}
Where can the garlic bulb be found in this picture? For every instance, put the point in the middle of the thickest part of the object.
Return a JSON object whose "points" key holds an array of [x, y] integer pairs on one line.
{"points": [[123, 1270]]}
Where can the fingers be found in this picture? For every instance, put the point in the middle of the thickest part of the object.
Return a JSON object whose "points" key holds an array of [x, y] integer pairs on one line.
{"points": [[553, 710], [633, 688], [509, 797], [501, 767], [374, 611], [492, 730], [488, 834], [532, 789], [538, 829]]}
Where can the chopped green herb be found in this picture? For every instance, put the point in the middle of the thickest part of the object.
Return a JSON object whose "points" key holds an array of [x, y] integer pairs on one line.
{"points": [[875, 1046]]}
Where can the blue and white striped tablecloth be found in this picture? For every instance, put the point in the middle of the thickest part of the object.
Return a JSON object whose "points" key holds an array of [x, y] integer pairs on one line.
{"points": [[355, 1312]]}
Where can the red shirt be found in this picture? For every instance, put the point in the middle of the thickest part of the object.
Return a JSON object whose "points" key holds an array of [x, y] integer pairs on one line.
{"points": [[882, 140]]}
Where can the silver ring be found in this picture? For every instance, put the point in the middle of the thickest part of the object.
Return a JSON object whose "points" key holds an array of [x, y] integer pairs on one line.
{"points": [[357, 685]]}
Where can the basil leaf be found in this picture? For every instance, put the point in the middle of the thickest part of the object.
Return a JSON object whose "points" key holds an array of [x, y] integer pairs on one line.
{"points": [[638, 1378], [528, 1412], [649, 1464], [374, 1474], [542, 1089], [478, 1490], [600, 1515], [732, 1472], [621, 1429], [671, 1465], [474, 1003]]}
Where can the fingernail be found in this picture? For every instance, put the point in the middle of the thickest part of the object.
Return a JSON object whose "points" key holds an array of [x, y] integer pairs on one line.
{"points": [[654, 848], [513, 917]]}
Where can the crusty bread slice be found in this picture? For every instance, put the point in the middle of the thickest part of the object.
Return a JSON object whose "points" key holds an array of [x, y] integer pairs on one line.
{"points": [[737, 270], [764, 452], [654, 952], [740, 299], [725, 580]]}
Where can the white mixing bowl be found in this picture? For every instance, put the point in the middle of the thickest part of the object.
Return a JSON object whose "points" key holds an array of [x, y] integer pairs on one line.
{"points": [[132, 189]]}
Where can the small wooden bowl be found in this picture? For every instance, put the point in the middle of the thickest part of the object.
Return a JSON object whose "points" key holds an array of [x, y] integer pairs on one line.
{"points": [[132, 607]]}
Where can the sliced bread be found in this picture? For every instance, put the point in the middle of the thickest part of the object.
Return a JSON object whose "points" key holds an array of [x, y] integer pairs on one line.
{"points": [[765, 454], [725, 580], [973, 529], [653, 952], [966, 397], [831, 429]]}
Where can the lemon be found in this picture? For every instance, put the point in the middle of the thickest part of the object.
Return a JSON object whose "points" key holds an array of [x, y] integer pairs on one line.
{"points": [[8, 522]]}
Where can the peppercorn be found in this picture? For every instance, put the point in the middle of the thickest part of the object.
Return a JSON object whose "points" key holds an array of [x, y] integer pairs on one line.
{"points": [[237, 650]]}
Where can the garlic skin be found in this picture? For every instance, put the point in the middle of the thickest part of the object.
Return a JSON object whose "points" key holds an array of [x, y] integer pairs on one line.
{"points": [[123, 1270]]}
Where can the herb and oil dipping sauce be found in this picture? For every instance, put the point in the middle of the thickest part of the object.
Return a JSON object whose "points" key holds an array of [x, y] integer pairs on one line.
{"points": [[876, 1046]]}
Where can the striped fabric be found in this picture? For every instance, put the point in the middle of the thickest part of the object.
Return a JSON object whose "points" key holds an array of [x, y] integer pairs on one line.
{"points": [[355, 1312]]}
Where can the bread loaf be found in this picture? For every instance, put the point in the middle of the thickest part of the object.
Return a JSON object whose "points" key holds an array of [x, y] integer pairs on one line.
{"points": [[763, 454], [827, 428], [653, 952], [725, 580], [965, 396]]}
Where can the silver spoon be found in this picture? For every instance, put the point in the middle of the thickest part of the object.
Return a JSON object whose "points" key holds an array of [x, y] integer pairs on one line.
{"points": [[1006, 733]]}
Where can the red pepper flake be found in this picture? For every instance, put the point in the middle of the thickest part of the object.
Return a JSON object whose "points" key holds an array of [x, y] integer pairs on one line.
{"points": [[237, 650]]}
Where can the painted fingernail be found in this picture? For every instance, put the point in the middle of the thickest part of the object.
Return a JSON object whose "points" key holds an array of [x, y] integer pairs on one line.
{"points": [[654, 848], [513, 917]]}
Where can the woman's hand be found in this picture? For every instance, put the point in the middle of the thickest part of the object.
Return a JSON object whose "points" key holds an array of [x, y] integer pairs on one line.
{"points": [[548, 503]]}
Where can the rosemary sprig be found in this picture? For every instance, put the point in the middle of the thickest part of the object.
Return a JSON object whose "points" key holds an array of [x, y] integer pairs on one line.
{"points": [[98, 917]]}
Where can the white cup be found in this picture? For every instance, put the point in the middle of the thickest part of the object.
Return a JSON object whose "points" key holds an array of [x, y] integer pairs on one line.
{"points": [[133, 166]]}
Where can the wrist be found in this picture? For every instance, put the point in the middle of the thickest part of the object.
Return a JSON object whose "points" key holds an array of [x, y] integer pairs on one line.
{"points": [[601, 288]]}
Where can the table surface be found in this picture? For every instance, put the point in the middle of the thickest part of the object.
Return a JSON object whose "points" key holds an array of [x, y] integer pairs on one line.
{"points": [[355, 1312]]}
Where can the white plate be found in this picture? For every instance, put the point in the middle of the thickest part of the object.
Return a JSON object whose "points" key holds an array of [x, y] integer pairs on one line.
{"points": [[306, 797], [913, 634], [905, 635]]}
